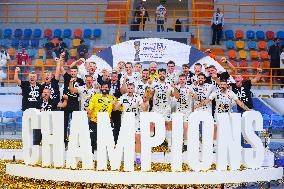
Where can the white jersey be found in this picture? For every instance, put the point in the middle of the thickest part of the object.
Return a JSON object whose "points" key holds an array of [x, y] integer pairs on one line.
{"points": [[85, 95], [162, 96], [82, 72], [130, 79], [172, 77], [224, 101], [131, 103], [137, 76], [140, 88], [185, 101], [203, 93]]}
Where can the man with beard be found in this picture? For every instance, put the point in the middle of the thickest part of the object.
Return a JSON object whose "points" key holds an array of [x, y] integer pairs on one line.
{"points": [[197, 70], [243, 89], [143, 84], [103, 102], [172, 76], [31, 94], [45, 103], [127, 78], [187, 73], [104, 77], [154, 76], [215, 77], [132, 102], [85, 92], [137, 71], [73, 103], [85, 68], [51, 83], [162, 93], [185, 103]]}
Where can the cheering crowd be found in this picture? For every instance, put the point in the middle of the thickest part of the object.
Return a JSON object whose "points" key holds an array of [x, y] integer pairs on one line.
{"points": [[132, 88]]}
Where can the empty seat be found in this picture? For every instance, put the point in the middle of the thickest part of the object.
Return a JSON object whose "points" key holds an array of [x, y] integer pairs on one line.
{"points": [[31, 52], [261, 45], [269, 43], [49, 62], [40, 52], [77, 33], [5, 42], [18, 33], [34, 42], [266, 76], [255, 64], [57, 33], [11, 51], [240, 44], [7, 33], [42, 42], [37, 33], [76, 42], [243, 64], [97, 33], [234, 63], [245, 75], [239, 34], [242, 54], [266, 121], [230, 44], [47, 33], [67, 33], [67, 41], [277, 121], [250, 34], [280, 35], [73, 52], [265, 64], [87, 33], [253, 54], [251, 45], [24, 43], [28, 33], [38, 62], [260, 35], [264, 55], [229, 34], [88, 42], [232, 54], [270, 35], [15, 43]]}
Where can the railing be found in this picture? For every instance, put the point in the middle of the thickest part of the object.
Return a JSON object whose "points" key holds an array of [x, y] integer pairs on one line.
{"points": [[266, 80]]}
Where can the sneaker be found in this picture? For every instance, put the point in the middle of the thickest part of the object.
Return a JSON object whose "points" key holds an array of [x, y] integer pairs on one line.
{"points": [[138, 161]]}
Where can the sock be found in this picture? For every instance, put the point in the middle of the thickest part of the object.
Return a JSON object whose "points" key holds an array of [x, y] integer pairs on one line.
{"points": [[151, 133], [185, 142], [169, 137], [138, 155]]}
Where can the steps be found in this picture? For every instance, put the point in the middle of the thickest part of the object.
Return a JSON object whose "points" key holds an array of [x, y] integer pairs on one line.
{"points": [[203, 8], [116, 9]]}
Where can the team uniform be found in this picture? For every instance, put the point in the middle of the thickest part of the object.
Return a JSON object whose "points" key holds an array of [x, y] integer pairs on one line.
{"points": [[185, 101], [171, 78], [129, 79], [203, 93], [141, 87], [244, 94], [162, 99], [53, 87], [85, 95], [31, 95], [132, 104], [49, 105]]}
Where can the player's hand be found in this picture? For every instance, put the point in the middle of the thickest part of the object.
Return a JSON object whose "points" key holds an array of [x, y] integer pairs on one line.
{"points": [[214, 76], [72, 79], [82, 60], [17, 70], [259, 70], [62, 55], [150, 82], [223, 59], [65, 97]]}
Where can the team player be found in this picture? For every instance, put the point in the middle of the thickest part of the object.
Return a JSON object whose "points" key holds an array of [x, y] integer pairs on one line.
{"points": [[100, 102], [132, 102], [143, 84], [172, 75], [162, 93], [46, 103], [137, 70], [127, 78]]}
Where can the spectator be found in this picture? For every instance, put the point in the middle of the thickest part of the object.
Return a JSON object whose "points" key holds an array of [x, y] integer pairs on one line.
{"points": [[22, 60], [60, 48], [217, 24], [178, 26], [274, 53], [49, 47], [4, 58], [161, 18], [82, 50], [141, 15]]}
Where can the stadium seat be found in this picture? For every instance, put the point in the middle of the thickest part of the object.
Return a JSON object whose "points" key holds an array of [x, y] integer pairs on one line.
{"points": [[28, 33], [232, 54], [18, 33], [76, 42], [18, 114], [239, 34], [234, 63], [97, 33], [47, 33], [5, 42], [276, 121], [24, 43], [77, 33], [270, 35], [15, 43], [261, 45], [37, 33], [8, 118], [73, 52], [12, 52], [70, 61], [67, 33], [264, 55], [49, 62], [255, 64], [280, 35], [67, 41], [266, 121], [245, 75], [88, 42], [260, 35], [57, 33], [42, 42], [251, 45], [266, 76], [40, 52], [18, 123], [230, 44], [250, 35], [242, 54], [229, 34], [269, 43], [7, 33], [1, 33], [31, 52], [38, 62], [240, 44], [265, 64], [34, 43], [243, 64], [87, 33], [253, 54]]}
